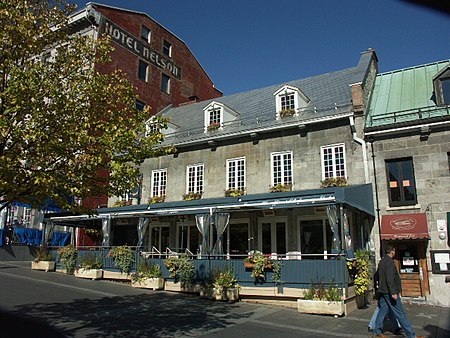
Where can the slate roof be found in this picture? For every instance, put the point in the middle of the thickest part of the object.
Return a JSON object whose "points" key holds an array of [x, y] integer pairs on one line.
{"points": [[405, 96], [329, 94]]}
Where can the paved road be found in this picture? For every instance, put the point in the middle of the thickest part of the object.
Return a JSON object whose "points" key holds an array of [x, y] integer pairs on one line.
{"points": [[85, 308]]}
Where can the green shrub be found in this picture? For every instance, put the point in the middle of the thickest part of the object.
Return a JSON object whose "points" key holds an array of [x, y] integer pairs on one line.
{"points": [[91, 261], [123, 258], [68, 255]]}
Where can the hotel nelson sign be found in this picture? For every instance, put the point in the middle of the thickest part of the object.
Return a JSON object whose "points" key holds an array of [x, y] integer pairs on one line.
{"points": [[134, 45]]}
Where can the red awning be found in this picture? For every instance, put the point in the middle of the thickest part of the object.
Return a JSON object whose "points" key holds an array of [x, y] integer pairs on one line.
{"points": [[404, 226]]}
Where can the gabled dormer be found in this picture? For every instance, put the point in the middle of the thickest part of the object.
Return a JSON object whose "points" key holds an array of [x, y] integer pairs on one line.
{"points": [[289, 101], [441, 83], [151, 126], [216, 114]]}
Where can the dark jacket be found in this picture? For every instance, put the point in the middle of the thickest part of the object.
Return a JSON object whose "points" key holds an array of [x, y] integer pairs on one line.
{"points": [[389, 279]]}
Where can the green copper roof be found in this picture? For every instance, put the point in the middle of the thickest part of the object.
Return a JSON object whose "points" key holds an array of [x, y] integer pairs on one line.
{"points": [[405, 95]]}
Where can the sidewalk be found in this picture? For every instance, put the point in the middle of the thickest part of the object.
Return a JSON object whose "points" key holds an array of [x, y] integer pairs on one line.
{"points": [[429, 321]]}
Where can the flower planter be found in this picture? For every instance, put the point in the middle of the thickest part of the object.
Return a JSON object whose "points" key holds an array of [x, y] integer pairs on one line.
{"points": [[249, 265], [107, 274], [322, 307], [89, 273], [172, 286], [229, 294], [43, 265], [149, 283], [207, 292]]}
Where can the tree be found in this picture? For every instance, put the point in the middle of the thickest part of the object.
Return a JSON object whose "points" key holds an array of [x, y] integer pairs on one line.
{"points": [[62, 122]]}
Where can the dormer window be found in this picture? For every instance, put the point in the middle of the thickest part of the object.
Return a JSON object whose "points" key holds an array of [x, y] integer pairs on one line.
{"points": [[441, 82], [216, 114], [289, 101]]}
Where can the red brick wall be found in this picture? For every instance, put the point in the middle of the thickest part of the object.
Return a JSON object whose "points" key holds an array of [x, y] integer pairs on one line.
{"points": [[194, 81]]}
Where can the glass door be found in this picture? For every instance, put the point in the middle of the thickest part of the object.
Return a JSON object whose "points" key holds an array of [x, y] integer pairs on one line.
{"points": [[272, 236]]}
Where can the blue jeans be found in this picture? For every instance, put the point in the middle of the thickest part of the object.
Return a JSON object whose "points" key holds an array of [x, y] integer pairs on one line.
{"points": [[386, 303], [391, 317]]}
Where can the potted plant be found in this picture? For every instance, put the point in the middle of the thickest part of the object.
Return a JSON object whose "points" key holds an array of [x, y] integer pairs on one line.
{"points": [[276, 276], [318, 300], [123, 259], [334, 182], [234, 192], [258, 263], [90, 266], [363, 277], [225, 285], [68, 255], [120, 203], [148, 276], [281, 187], [192, 196], [182, 270], [156, 199], [44, 260], [286, 112], [213, 126]]}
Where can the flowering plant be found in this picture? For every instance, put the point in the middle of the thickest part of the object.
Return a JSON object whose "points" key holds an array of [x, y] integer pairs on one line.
{"points": [[68, 255], [123, 257], [213, 126]]}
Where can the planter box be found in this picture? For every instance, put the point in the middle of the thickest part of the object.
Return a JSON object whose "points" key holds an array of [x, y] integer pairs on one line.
{"points": [[322, 307], [171, 286], [89, 274], [229, 295], [207, 292], [43, 265], [107, 274], [149, 283], [249, 265]]}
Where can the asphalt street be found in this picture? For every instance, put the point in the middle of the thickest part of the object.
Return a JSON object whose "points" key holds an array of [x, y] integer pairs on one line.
{"points": [[50, 304]]}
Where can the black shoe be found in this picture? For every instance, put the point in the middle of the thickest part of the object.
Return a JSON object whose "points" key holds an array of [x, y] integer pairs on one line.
{"points": [[398, 332], [369, 329]]}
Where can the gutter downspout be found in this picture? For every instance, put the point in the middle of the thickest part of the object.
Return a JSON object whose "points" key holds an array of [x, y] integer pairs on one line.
{"points": [[377, 202], [363, 147]]}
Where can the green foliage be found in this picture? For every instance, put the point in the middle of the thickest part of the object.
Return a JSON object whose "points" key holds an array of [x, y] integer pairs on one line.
{"points": [[363, 277], [62, 121], [43, 254], [234, 192], [91, 261], [95, 234], [192, 196], [286, 112], [281, 187], [181, 268], [146, 270], [259, 263], [224, 279], [156, 199], [276, 276], [318, 292], [123, 258], [334, 182], [68, 255]]}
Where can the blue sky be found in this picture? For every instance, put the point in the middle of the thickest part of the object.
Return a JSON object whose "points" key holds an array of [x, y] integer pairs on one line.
{"points": [[245, 44]]}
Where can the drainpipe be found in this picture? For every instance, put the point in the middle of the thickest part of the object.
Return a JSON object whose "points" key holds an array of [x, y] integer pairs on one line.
{"points": [[377, 202], [363, 147]]}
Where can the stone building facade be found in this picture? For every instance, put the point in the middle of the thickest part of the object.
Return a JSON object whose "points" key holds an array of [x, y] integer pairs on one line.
{"points": [[408, 134]]}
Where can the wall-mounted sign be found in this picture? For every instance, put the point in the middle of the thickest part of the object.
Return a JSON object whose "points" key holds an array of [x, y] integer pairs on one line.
{"points": [[440, 261], [134, 45]]}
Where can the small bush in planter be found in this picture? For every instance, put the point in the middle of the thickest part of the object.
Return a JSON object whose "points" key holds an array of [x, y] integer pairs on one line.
{"points": [[146, 270], [43, 254], [334, 182], [68, 255], [90, 261], [224, 279], [123, 258], [318, 292], [181, 269]]}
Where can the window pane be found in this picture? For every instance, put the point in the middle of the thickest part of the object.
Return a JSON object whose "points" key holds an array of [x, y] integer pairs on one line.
{"points": [[238, 239], [266, 238], [165, 83], [143, 68], [281, 237], [401, 183], [446, 90], [146, 34], [311, 233], [167, 48]]}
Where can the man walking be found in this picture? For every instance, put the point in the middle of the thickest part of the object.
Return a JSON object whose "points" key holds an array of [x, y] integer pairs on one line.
{"points": [[389, 290]]}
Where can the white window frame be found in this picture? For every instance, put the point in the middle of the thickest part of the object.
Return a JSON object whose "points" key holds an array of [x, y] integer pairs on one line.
{"points": [[273, 230], [213, 113], [198, 183], [283, 176], [236, 171], [159, 185], [334, 173], [300, 99]]}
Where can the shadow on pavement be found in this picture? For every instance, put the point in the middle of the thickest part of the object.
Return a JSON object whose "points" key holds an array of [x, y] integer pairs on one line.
{"points": [[145, 315]]}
